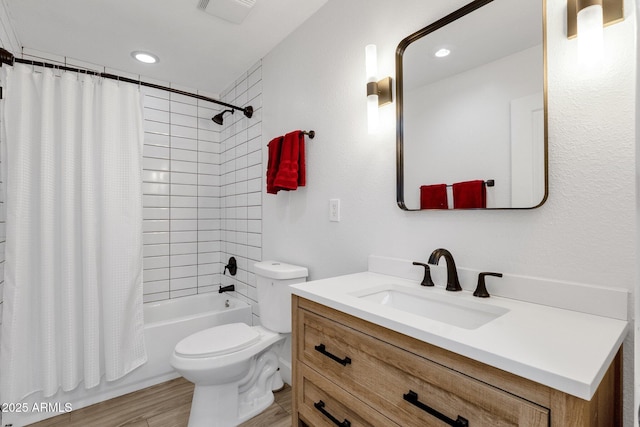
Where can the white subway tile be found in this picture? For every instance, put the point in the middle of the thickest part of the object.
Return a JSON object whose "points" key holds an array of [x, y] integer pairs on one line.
{"points": [[153, 201], [156, 115], [183, 260], [184, 178], [155, 176], [184, 202], [184, 155], [156, 103], [156, 151], [155, 250], [152, 188], [155, 287], [155, 213], [184, 236], [156, 164], [155, 238], [184, 213], [185, 120], [155, 262], [157, 139], [157, 127], [184, 248], [184, 131], [208, 268], [184, 190], [184, 225], [208, 224], [184, 143], [184, 283], [154, 275], [155, 225], [185, 271], [182, 108], [208, 235], [181, 166]]}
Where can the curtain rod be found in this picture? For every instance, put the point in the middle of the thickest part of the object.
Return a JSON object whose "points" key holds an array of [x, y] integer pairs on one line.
{"points": [[8, 58]]}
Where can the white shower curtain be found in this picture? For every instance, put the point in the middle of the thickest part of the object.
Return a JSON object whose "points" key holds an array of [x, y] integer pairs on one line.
{"points": [[73, 270]]}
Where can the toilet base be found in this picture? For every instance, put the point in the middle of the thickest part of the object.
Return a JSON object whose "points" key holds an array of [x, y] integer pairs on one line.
{"points": [[227, 405]]}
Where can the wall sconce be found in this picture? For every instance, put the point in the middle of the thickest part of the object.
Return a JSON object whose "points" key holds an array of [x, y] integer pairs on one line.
{"points": [[378, 92], [586, 19]]}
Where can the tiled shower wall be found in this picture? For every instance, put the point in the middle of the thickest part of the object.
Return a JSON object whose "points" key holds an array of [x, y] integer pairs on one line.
{"points": [[202, 192], [181, 196], [241, 185]]}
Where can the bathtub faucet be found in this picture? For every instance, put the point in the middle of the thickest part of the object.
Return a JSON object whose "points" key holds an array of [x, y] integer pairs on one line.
{"points": [[229, 288]]}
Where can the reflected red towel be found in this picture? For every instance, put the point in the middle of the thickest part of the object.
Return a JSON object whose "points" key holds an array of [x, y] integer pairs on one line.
{"points": [[273, 162], [469, 194], [291, 168], [434, 196]]}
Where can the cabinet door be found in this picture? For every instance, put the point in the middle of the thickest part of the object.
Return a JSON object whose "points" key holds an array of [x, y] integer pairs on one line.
{"points": [[322, 403], [405, 387]]}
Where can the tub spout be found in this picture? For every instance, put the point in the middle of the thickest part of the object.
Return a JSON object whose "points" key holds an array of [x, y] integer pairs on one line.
{"points": [[229, 288]]}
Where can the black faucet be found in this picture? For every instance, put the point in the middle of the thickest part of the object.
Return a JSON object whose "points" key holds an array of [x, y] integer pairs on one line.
{"points": [[232, 266], [426, 280], [229, 288], [453, 284]]}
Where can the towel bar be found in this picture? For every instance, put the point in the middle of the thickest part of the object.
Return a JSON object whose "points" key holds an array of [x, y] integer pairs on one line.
{"points": [[311, 133]]}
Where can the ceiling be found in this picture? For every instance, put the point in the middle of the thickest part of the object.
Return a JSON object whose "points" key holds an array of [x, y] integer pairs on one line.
{"points": [[196, 49]]}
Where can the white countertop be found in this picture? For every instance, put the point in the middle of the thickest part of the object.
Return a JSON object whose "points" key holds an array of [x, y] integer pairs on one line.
{"points": [[562, 349]]}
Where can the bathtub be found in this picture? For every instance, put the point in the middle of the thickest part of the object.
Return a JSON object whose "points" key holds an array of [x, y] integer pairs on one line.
{"points": [[166, 323]]}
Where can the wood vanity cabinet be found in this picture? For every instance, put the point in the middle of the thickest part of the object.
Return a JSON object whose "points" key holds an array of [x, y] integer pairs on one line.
{"points": [[350, 372]]}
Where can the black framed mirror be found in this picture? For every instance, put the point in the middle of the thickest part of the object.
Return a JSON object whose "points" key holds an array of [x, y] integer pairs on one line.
{"points": [[472, 109]]}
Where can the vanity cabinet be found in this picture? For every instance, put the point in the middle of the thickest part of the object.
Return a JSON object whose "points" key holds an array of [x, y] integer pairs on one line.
{"points": [[350, 372]]}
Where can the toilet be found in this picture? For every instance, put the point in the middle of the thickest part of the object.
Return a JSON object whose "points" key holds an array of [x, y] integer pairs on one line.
{"points": [[235, 367]]}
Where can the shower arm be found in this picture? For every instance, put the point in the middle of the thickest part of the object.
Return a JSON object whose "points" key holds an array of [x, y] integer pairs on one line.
{"points": [[8, 58]]}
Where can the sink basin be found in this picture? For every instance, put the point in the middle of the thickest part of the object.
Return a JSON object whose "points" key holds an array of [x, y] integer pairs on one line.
{"points": [[448, 309]]}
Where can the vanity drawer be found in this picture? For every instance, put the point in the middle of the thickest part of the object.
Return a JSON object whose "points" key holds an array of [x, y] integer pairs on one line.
{"points": [[411, 390], [320, 400]]}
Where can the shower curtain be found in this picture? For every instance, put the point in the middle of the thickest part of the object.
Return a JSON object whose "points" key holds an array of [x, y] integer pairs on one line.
{"points": [[72, 174]]}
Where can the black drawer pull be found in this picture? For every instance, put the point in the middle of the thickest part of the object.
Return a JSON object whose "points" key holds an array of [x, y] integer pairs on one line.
{"points": [[412, 397], [320, 407], [322, 349]]}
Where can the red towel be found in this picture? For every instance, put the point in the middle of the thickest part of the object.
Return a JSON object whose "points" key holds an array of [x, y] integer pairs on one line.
{"points": [[469, 194], [272, 165], [434, 196], [291, 167]]}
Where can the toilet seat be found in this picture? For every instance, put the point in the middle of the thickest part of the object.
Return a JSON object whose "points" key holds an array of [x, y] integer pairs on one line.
{"points": [[217, 341]]}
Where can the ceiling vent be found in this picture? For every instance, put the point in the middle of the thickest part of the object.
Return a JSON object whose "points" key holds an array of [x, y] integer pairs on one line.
{"points": [[230, 10]]}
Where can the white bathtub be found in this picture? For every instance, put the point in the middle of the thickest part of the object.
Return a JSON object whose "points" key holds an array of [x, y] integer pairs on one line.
{"points": [[166, 323]]}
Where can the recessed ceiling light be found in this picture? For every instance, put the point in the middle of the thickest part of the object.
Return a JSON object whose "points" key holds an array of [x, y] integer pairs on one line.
{"points": [[441, 53], [146, 57]]}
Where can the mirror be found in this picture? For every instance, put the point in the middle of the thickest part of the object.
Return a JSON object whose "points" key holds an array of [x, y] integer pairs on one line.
{"points": [[472, 125]]}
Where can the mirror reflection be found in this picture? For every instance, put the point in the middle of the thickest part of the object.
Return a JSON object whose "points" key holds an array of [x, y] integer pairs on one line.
{"points": [[471, 109]]}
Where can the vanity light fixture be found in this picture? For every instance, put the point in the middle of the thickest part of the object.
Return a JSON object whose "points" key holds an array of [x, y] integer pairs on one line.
{"points": [[586, 19], [146, 57], [378, 92]]}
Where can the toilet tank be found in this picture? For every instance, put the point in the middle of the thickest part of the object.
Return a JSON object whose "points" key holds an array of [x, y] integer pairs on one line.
{"points": [[274, 295]]}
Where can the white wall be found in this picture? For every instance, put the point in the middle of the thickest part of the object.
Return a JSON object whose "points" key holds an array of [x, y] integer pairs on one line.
{"points": [[585, 232]]}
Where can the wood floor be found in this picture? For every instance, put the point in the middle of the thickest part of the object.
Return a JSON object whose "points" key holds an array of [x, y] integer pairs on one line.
{"points": [[163, 405]]}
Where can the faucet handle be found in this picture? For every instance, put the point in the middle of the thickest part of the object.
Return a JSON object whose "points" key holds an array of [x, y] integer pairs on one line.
{"points": [[481, 289], [426, 280]]}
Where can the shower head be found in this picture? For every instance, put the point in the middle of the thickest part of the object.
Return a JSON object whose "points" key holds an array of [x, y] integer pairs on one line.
{"points": [[218, 118]]}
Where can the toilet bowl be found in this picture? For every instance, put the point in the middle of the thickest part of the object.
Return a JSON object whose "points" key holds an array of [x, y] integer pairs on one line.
{"points": [[235, 367]]}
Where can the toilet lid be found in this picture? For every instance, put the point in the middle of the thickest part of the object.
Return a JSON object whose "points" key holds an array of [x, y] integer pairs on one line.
{"points": [[218, 340]]}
